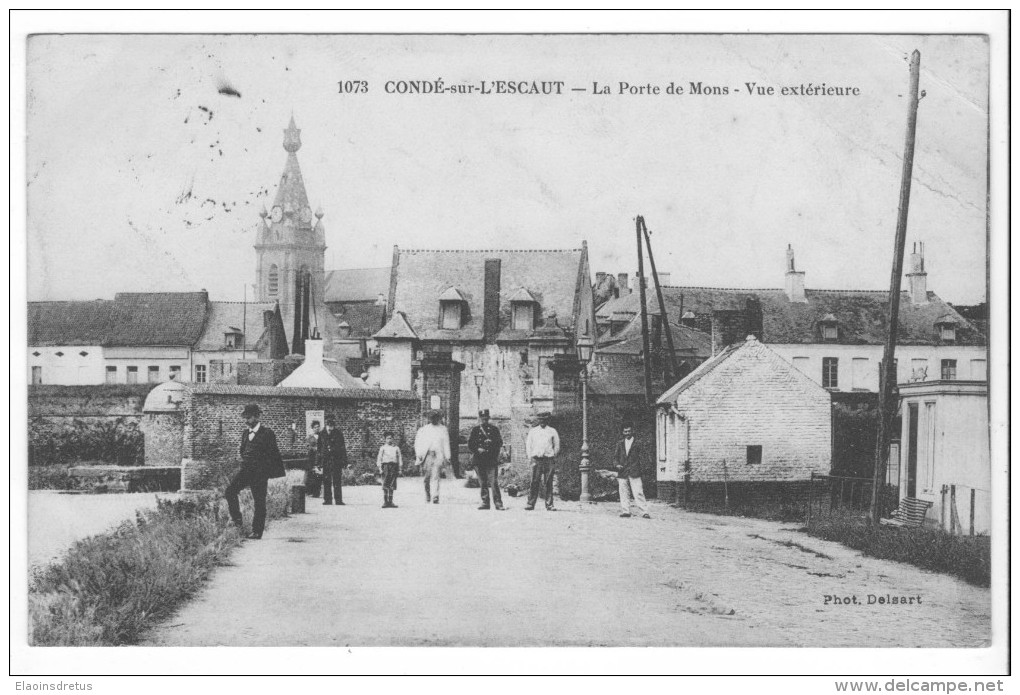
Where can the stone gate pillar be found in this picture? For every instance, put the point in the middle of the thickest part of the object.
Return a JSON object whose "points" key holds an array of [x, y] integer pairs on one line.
{"points": [[437, 381]]}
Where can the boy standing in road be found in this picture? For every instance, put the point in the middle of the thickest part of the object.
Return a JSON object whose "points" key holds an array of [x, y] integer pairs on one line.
{"points": [[389, 461]]}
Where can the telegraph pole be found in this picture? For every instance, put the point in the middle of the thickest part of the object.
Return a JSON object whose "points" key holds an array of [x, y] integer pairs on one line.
{"points": [[644, 314], [673, 367], [886, 405]]}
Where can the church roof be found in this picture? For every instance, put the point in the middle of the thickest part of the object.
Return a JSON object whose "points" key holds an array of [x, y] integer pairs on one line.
{"points": [[291, 195], [357, 284]]}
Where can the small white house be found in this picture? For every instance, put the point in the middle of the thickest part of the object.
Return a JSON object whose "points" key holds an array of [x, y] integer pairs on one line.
{"points": [[945, 452], [746, 415]]}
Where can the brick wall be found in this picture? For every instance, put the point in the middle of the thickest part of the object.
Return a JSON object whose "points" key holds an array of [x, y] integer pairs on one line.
{"points": [[213, 424], [755, 398], [104, 401]]}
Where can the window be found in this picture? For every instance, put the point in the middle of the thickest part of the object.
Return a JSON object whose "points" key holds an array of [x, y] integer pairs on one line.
{"points": [[947, 331], [829, 332], [663, 437], [274, 280], [753, 454], [199, 373], [948, 370], [546, 376], [153, 374], [111, 375], [175, 372], [36, 375], [918, 369], [132, 375], [978, 370], [523, 316], [830, 372], [858, 373], [450, 315]]}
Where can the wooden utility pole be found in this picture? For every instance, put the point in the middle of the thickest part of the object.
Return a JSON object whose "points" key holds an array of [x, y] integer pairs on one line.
{"points": [[886, 406], [673, 369], [644, 314]]}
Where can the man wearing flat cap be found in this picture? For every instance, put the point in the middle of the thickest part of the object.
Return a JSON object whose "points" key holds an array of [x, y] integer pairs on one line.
{"points": [[543, 446], [260, 461], [485, 444]]}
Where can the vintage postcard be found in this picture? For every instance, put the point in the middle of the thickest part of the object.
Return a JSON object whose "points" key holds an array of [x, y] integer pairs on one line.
{"points": [[673, 340]]}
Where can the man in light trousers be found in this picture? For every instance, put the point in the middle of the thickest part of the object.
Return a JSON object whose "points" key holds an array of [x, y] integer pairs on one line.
{"points": [[630, 460], [543, 446], [432, 452]]}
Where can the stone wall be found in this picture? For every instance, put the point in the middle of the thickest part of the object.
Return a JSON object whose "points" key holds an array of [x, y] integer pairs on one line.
{"points": [[213, 424], [102, 401], [164, 438]]}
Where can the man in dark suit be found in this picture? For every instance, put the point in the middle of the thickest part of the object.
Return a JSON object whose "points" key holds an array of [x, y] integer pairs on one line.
{"points": [[260, 461], [485, 444], [630, 461], [333, 460]]}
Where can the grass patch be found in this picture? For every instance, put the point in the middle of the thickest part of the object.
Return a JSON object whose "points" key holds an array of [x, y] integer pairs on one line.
{"points": [[967, 557], [108, 589], [771, 510]]}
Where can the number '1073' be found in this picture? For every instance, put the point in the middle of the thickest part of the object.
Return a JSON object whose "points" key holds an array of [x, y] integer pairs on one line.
{"points": [[353, 87]]}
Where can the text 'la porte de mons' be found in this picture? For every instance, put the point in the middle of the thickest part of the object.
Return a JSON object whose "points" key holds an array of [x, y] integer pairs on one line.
{"points": [[597, 88]]}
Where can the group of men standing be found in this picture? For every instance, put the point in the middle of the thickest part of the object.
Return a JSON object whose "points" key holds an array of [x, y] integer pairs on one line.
{"points": [[327, 453]]}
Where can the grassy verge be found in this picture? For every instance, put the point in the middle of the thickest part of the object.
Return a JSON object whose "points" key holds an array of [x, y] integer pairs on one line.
{"points": [[108, 589], [967, 557]]}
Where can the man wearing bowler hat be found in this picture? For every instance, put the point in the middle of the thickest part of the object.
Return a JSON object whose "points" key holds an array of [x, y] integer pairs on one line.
{"points": [[260, 461], [485, 443], [333, 459]]}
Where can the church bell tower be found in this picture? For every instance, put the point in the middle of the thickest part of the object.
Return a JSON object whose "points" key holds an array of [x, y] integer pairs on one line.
{"points": [[291, 250]]}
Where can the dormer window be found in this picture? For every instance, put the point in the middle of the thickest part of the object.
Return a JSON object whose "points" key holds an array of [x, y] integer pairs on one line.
{"points": [[830, 327], [233, 338], [522, 310], [345, 329], [451, 309], [946, 328]]}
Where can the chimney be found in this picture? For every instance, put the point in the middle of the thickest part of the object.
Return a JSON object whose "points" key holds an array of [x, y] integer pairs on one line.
{"points": [[490, 317], [621, 282], [755, 320], [664, 279], [599, 277], [313, 353], [918, 278], [794, 279]]}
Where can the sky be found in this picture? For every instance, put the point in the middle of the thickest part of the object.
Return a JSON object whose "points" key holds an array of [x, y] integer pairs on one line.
{"points": [[149, 157]]}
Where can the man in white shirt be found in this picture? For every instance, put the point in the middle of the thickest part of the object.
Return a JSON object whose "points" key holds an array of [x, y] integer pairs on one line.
{"points": [[432, 452], [543, 446]]}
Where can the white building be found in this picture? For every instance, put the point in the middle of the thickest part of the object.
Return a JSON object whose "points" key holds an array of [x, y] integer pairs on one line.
{"points": [[945, 452]]}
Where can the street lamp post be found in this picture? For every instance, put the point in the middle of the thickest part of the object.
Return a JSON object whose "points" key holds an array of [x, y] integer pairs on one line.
{"points": [[479, 380], [585, 348]]}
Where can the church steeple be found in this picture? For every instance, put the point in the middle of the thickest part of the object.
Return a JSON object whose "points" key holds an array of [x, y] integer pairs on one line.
{"points": [[291, 247]]}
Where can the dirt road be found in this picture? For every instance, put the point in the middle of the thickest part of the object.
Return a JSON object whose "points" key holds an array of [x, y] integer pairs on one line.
{"points": [[450, 575]]}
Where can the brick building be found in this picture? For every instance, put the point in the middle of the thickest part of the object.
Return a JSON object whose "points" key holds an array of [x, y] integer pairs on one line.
{"points": [[744, 416]]}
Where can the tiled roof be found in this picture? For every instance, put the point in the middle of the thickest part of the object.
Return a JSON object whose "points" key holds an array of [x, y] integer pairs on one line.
{"points": [[160, 318], [131, 319], [225, 316], [364, 318], [71, 323], [860, 314], [397, 328], [357, 284], [726, 366], [686, 341], [423, 275]]}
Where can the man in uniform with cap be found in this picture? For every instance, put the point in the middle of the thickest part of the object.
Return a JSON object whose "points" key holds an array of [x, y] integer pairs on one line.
{"points": [[543, 446], [260, 461], [485, 444]]}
